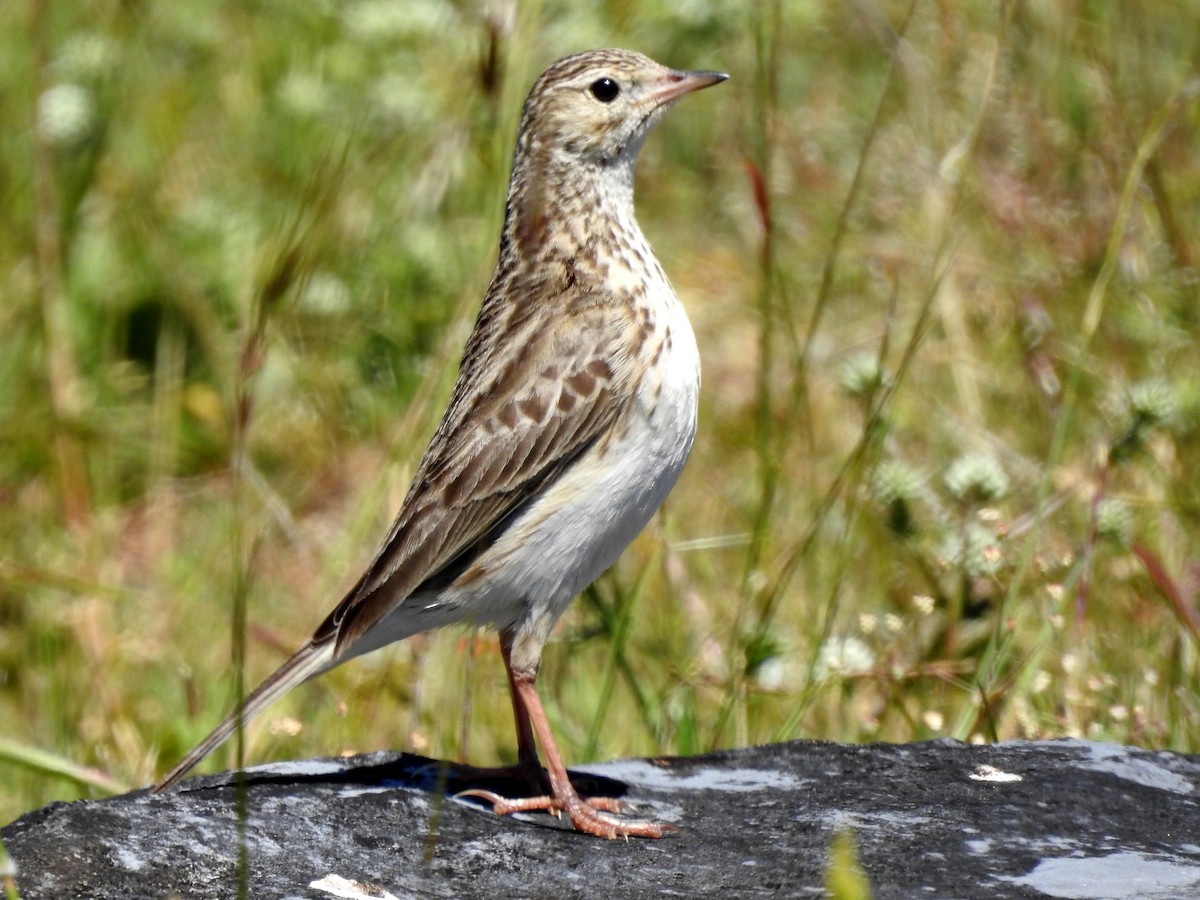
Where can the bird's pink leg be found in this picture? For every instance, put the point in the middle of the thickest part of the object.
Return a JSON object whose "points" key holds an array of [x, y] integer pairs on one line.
{"points": [[591, 816], [527, 756]]}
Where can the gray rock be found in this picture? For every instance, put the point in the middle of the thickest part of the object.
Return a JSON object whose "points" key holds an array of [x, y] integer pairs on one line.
{"points": [[939, 820]]}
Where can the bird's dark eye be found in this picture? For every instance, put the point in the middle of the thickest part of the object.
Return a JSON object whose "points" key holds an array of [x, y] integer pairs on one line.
{"points": [[605, 90]]}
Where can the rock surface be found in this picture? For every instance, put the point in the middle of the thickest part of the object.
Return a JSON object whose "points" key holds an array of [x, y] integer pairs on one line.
{"points": [[938, 819]]}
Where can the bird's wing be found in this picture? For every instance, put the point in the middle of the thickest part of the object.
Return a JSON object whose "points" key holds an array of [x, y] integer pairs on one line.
{"points": [[544, 375]]}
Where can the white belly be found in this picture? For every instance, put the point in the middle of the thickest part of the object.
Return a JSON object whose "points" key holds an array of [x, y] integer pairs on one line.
{"points": [[579, 527], [575, 530]]}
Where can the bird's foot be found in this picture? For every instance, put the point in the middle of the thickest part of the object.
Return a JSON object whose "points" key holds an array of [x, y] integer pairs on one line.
{"points": [[591, 815]]}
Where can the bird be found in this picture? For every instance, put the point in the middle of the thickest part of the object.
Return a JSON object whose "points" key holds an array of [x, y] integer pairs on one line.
{"points": [[573, 412]]}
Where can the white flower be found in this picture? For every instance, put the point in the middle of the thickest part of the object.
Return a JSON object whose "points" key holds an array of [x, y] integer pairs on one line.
{"points": [[397, 97], [380, 20], [861, 374], [86, 55], [66, 113], [770, 675], [1154, 401], [924, 604], [325, 294], [894, 480], [844, 656], [976, 477]]}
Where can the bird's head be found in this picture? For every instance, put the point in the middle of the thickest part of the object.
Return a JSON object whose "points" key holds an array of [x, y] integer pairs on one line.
{"points": [[596, 107]]}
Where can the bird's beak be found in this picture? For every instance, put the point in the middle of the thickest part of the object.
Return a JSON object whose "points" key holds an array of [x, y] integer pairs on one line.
{"points": [[675, 84]]}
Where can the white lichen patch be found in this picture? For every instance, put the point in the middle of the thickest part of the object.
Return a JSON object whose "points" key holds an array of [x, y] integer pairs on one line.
{"points": [[1116, 876], [645, 774], [994, 775], [128, 860], [337, 886], [299, 768], [1134, 766]]}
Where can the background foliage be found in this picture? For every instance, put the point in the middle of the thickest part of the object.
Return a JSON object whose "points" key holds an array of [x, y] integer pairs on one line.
{"points": [[941, 261]]}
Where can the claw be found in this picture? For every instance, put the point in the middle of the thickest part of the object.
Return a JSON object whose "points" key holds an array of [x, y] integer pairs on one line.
{"points": [[607, 804], [590, 816]]}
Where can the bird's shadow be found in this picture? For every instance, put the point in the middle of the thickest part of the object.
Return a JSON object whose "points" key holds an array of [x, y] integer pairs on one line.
{"points": [[435, 777]]}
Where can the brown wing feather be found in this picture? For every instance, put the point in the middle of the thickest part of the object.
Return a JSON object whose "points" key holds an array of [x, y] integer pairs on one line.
{"points": [[514, 423]]}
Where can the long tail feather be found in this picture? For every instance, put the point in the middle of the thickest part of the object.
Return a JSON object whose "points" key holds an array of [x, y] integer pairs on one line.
{"points": [[306, 662]]}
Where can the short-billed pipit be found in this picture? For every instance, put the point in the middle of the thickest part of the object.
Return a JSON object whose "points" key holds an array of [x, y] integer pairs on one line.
{"points": [[572, 415]]}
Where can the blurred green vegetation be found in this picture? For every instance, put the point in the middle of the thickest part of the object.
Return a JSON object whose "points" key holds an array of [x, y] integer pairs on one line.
{"points": [[941, 261]]}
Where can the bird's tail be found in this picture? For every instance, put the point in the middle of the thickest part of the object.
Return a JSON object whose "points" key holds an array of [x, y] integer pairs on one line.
{"points": [[306, 662]]}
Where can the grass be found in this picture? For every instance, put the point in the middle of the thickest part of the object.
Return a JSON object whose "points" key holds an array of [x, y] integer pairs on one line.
{"points": [[941, 261]]}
